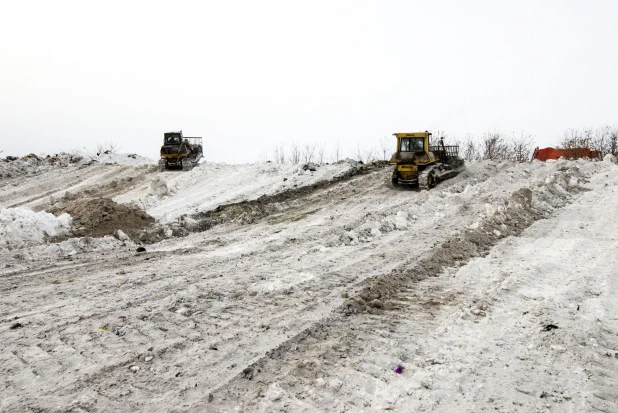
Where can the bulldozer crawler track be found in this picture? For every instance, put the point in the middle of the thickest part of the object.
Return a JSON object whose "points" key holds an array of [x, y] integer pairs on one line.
{"points": [[423, 178], [186, 164]]}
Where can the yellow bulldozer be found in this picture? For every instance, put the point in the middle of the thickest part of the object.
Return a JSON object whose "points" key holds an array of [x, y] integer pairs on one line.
{"points": [[417, 162], [180, 152]]}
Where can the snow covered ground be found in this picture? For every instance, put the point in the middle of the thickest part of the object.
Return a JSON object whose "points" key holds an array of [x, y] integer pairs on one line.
{"points": [[311, 307]]}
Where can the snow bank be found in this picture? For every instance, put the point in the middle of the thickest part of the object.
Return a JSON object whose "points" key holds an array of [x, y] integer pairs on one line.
{"points": [[125, 159], [177, 193], [82, 245], [21, 226], [11, 166]]}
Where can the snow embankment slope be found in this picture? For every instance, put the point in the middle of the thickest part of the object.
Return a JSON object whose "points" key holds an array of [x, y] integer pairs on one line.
{"points": [[205, 308], [477, 338], [210, 185], [547, 339]]}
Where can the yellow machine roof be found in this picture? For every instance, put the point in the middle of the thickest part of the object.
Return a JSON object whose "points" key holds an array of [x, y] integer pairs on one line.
{"points": [[412, 134]]}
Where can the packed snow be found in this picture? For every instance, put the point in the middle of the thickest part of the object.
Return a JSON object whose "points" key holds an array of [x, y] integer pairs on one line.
{"points": [[173, 194], [130, 159], [351, 296], [21, 226]]}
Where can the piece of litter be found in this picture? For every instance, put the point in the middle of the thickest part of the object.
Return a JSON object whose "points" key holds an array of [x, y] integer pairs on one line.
{"points": [[398, 369]]}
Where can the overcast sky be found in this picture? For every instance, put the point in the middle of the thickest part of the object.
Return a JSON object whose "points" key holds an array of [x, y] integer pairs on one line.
{"points": [[248, 74]]}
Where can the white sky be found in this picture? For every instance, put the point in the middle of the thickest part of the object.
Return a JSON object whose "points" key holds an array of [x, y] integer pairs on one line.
{"points": [[247, 74]]}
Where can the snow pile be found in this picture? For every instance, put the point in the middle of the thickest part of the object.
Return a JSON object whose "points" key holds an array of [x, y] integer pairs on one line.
{"points": [[158, 188], [82, 245], [12, 166], [210, 185], [21, 226], [125, 159]]}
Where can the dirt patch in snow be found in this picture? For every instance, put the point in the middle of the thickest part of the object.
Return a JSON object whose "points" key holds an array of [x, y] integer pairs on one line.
{"points": [[97, 217]]}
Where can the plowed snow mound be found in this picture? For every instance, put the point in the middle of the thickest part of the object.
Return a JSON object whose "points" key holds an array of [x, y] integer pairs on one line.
{"points": [[22, 227], [97, 217]]}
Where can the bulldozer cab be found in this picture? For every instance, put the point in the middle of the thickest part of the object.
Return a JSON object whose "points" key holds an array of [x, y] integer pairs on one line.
{"points": [[413, 142], [172, 138], [412, 147]]}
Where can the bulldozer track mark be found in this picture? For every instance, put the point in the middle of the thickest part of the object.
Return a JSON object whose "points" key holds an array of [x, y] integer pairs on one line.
{"points": [[420, 294], [279, 204]]}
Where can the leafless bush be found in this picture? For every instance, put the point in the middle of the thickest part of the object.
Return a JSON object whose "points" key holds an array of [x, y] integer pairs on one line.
{"points": [[577, 142], [308, 152], [521, 147], [263, 156], [336, 155], [371, 154], [603, 140], [494, 147], [321, 157], [470, 149], [613, 141], [365, 155], [358, 153], [279, 153], [294, 153], [107, 147], [386, 146]]}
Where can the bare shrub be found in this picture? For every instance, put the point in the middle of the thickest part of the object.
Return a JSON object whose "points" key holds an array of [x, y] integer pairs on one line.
{"points": [[321, 157], [521, 147], [308, 152], [365, 155], [279, 153], [494, 147], [294, 153], [603, 140], [470, 149], [612, 146], [336, 155], [576, 142], [371, 154], [572, 139], [263, 156], [386, 147], [358, 153], [107, 148]]}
